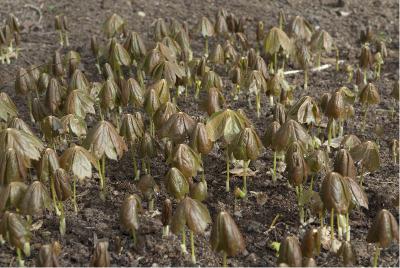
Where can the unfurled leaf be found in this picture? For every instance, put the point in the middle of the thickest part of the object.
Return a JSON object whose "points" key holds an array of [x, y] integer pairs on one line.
{"points": [[103, 139], [74, 124], [113, 25], [79, 103], [305, 111], [178, 127], [78, 161], [368, 154], [26, 146], [226, 124], [191, 213], [276, 39], [226, 236], [290, 132]]}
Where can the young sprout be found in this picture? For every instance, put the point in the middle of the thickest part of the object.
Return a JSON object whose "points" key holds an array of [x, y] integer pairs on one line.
{"points": [[61, 26], [201, 142], [151, 105], [136, 48], [213, 101], [48, 255], [178, 127], [54, 95], [218, 56], [276, 86], [16, 231], [298, 170], [257, 84], [78, 161], [300, 28], [350, 72], [290, 252], [260, 34], [24, 85], [186, 160], [349, 141], [270, 131], [383, 232], [231, 55], [321, 41], [46, 169], [63, 192], [71, 61], [348, 254], [193, 214], [101, 257], [206, 29], [149, 188], [176, 183], [317, 161], [275, 40], [79, 81], [378, 61], [247, 146], [12, 167], [336, 196], [367, 153], [113, 26], [366, 60], [226, 125], [11, 195], [303, 57], [95, 48], [226, 237], [335, 110], [129, 215], [147, 150], [344, 164], [310, 246], [169, 70], [74, 125], [221, 27], [104, 141], [132, 129], [369, 95], [166, 216], [160, 29]]}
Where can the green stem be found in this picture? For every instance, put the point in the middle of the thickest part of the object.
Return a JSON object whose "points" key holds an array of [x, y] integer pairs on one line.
{"points": [[332, 220], [151, 204], [329, 134], [20, 260], [321, 219], [74, 195], [62, 226], [66, 39], [61, 38], [306, 78], [337, 59], [183, 245], [224, 259], [134, 236], [103, 167], [135, 168], [192, 247], [206, 46], [274, 171], [30, 107], [376, 255], [227, 187], [312, 183], [275, 63], [258, 105], [347, 227], [339, 229], [319, 59], [53, 195], [245, 166], [362, 176]]}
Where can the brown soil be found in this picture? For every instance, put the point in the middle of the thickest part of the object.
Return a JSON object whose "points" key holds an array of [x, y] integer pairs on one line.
{"points": [[100, 219]]}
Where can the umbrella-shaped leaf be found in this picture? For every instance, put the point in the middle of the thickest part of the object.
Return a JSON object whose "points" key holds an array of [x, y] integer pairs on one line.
{"points": [[74, 124], [7, 107], [305, 111], [186, 160], [103, 139], [78, 161], [176, 183], [79, 103], [276, 39], [193, 214], [179, 126], [35, 200], [368, 154], [289, 132], [247, 145]]}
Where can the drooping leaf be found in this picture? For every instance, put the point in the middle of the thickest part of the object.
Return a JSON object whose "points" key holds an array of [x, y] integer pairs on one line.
{"points": [[78, 161]]}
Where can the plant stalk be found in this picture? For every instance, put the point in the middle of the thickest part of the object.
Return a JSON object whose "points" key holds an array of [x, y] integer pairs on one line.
{"points": [[224, 262], [274, 166], [376, 255], [245, 166], [227, 187], [192, 247], [332, 220]]}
